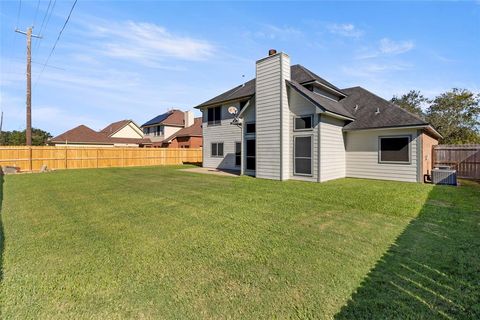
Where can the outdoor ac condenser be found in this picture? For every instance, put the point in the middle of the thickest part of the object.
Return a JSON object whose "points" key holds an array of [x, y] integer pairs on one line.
{"points": [[444, 176]]}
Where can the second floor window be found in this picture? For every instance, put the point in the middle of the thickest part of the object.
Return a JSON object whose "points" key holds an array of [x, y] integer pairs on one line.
{"points": [[214, 116], [158, 131]]}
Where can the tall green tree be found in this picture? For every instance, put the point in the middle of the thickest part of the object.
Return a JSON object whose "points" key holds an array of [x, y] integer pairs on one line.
{"points": [[18, 138], [456, 115], [412, 102]]}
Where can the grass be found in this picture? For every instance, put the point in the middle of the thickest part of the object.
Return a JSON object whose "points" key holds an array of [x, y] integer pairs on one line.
{"points": [[160, 243]]}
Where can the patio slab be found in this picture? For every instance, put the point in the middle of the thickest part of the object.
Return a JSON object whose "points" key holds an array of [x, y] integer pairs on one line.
{"points": [[219, 172]]}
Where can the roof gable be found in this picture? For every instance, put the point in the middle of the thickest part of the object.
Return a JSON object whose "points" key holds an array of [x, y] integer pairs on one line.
{"points": [[115, 126], [321, 101], [84, 134], [195, 130]]}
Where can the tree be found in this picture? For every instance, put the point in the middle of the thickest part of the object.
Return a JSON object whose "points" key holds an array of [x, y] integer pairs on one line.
{"points": [[18, 138], [456, 115], [412, 102]]}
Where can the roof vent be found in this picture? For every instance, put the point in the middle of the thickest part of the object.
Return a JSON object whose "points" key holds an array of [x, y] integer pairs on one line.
{"points": [[271, 52], [378, 111], [356, 107]]}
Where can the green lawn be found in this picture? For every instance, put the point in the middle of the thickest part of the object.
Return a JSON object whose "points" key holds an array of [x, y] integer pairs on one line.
{"points": [[161, 243]]}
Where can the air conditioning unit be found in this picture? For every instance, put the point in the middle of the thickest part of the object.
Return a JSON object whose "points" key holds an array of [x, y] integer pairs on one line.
{"points": [[444, 176]]}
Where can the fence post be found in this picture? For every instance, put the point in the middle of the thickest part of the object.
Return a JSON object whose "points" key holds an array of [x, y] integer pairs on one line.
{"points": [[30, 158], [96, 159], [66, 161]]}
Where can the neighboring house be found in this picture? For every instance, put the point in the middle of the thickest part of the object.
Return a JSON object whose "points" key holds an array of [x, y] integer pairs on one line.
{"points": [[124, 133], [293, 124], [166, 124], [189, 137]]}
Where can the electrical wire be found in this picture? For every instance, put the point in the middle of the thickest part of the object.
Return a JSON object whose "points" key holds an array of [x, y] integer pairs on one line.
{"points": [[56, 41], [18, 12], [36, 13]]}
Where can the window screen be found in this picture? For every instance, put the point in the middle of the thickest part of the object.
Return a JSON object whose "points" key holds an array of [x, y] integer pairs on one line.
{"points": [[250, 128], [250, 154], [214, 115], [303, 123], [395, 149], [238, 153], [303, 155], [217, 149]]}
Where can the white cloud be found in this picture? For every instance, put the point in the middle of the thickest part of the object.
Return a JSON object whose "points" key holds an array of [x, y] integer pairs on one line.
{"points": [[346, 30], [370, 70], [145, 43], [273, 32], [389, 46]]}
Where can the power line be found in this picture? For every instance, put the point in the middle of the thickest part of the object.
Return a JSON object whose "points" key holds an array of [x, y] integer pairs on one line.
{"points": [[45, 15], [43, 22], [18, 12], [56, 41], [36, 12]]}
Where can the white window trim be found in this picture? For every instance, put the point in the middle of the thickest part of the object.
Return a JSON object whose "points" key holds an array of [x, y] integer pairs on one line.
{"points": [[311, 156], [303, 116], [211, 149]]}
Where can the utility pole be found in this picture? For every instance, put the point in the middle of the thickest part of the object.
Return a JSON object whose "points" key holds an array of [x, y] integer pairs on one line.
{"points": [[29, 35]]}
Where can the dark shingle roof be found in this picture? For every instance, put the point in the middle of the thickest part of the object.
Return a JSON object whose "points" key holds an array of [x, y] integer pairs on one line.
{"points": [[172, 117], [298, 73], [323, 102], [301, 74], [390, 115]]}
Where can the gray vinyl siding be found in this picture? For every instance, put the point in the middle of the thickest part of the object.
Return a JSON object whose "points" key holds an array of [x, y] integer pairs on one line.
{"points": [[299, 106], [362, 156], [226, 133], [269, 92], [332, 146]]}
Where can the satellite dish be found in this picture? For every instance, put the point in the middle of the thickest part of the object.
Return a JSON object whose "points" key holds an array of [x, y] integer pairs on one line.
{"points": [[232, 110]]}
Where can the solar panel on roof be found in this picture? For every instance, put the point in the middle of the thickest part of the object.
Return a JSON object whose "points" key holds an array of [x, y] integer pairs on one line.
{"points": [[157, 119]]}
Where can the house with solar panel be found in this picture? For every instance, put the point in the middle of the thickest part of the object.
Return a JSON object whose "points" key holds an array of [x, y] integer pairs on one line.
{"points": [[174, 129], [289, 123]]}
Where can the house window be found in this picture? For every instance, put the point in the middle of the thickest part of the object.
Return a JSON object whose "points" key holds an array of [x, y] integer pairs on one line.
{"points": [[250, 128], [303, 123], [394, 149], [158, 131], [238, 154], [217, 149], [146, 130], [214, 116], [242, 104], [303, 156], [250, 151]]}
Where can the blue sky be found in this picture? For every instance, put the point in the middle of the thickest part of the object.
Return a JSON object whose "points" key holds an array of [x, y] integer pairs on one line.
{"points": [[134, 60]]}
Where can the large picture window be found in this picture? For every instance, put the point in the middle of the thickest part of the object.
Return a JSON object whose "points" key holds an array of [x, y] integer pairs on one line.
{"points": [[303, 156], [394, 149], [214, 116], [217, 149], [303, 123]]}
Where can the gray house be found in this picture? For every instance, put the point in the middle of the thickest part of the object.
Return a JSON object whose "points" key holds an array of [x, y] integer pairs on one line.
{"points": [[289, 123]]}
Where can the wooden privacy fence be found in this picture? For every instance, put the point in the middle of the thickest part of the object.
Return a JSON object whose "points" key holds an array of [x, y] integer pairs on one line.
{"points": [[463, 158], [33, 158]]}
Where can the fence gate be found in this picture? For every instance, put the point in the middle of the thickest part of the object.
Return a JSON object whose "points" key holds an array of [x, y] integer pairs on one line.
{"points": [[463, 158]]}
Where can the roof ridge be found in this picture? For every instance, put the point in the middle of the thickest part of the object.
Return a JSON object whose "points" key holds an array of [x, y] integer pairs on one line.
{"points": [[394, 105]]}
